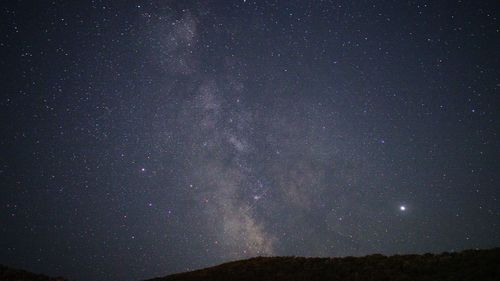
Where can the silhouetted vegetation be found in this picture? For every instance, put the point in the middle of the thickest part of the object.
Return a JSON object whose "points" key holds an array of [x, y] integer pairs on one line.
{"points": [[10, 274], [471, 265]]}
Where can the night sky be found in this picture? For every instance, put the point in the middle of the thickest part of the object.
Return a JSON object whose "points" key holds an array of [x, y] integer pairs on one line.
{"points": [[143, 138]]}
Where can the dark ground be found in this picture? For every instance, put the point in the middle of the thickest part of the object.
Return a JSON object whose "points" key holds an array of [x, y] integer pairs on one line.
{"points": [[474, 265], [10, 274], [466, 265]]}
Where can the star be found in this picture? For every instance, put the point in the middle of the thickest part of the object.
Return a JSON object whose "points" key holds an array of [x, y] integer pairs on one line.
{"points": [[305, 133]]}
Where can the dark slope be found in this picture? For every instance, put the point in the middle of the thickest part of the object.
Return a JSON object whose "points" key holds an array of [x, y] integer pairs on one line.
{"points": [[467, 265], [10, 274]]}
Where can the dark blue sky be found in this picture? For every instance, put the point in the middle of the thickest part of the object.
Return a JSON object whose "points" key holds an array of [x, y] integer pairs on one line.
{"points": [[142, 138]]}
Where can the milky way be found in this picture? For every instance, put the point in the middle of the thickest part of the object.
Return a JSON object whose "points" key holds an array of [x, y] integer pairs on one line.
{"points": [[151, 137]]}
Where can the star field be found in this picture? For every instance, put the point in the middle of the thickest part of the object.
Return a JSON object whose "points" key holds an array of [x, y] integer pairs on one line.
{"points": [[143, 138]]}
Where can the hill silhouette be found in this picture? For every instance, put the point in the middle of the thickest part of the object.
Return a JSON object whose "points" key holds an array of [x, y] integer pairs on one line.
{"points": [[483, 265], [11, 274], [467, 265]]}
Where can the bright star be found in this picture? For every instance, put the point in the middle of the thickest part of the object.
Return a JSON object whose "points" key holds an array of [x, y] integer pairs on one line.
{"points": [[402, 208]]}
